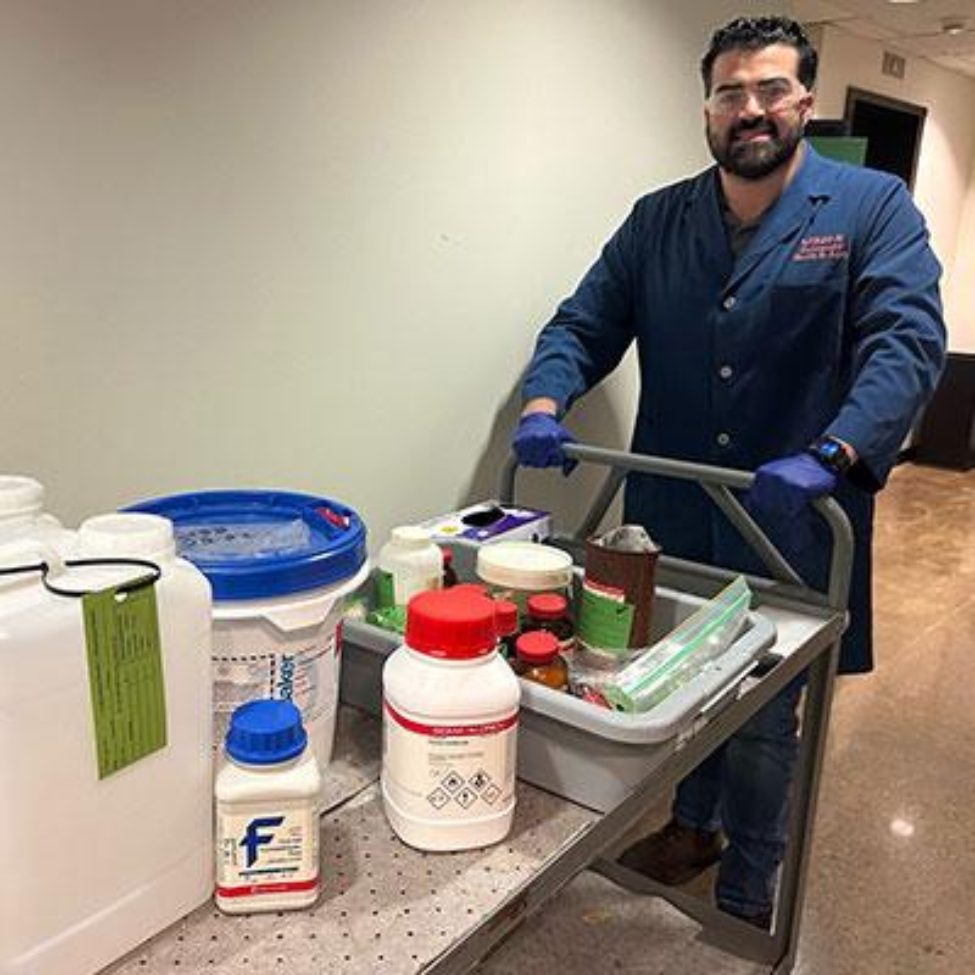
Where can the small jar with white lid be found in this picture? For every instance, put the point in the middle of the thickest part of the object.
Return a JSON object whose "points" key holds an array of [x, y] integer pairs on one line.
{"points": [[450, 717], [518, 570], [267, 812]]}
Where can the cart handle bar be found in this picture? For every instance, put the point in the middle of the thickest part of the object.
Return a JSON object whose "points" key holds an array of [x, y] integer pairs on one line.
{"points": [[716, 482]]}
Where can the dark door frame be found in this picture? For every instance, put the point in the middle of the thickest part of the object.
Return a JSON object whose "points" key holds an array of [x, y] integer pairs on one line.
{"points": [[856, 95]]}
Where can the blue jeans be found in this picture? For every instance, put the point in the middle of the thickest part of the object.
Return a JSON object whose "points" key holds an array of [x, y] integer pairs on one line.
{"points": [[743, 787]]}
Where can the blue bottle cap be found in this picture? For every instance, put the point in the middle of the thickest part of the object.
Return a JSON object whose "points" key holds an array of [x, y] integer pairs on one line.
{"points": [[266, 733]]}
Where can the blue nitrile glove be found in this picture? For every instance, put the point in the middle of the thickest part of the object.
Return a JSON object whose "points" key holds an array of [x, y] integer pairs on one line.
{"points": [[538, 442], [783, 490]]}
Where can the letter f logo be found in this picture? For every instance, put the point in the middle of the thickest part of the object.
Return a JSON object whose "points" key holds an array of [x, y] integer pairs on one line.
{"points": [[253, 838]]}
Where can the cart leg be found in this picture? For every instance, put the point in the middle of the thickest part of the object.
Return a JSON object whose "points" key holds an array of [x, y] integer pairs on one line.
{"points": [[812, 748]]}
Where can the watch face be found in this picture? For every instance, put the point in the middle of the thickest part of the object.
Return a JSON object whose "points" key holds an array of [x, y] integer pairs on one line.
{"points": [[830, 451], [832, 454]]}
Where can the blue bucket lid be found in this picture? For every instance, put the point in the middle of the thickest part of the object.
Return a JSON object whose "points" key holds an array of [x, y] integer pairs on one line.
{"points": [[261, 544]]}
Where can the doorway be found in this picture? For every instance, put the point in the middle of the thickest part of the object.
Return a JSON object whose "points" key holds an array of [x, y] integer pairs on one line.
{"points": [[892, 128]]}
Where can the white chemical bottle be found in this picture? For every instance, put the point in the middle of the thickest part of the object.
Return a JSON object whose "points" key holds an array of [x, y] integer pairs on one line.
{"points": [[267, 820], [450, 718], [410, 562]]}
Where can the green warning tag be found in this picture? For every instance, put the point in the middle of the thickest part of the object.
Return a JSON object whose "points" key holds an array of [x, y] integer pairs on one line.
{"points": [[604, 621], [125, 675]]}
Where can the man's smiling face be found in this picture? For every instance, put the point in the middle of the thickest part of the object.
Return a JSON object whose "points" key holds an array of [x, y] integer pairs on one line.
{"points": [[757, 110]]}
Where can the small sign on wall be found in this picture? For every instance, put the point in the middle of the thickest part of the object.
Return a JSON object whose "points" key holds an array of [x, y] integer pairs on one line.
{"points": [[894, 65]]}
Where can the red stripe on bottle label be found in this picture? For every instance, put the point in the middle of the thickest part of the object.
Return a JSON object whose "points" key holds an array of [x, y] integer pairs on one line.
{"points": [[285, 887], [452, 730]]}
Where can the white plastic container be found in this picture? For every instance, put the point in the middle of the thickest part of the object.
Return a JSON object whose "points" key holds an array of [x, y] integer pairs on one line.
{"points": [[517, 570], [22, 513], [410, 562], [282, 567], [267, 812], [93, 866], [450, 717]]}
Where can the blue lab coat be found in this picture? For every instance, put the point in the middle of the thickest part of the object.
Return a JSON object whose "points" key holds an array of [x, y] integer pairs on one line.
{"points": [[829, 323]]}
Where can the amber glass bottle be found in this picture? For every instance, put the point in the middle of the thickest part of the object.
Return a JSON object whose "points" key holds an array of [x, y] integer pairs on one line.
{"points": [[537, 658]]}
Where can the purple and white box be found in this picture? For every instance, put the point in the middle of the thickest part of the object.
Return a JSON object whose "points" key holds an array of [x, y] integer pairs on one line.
{"points": [[488, 521]]}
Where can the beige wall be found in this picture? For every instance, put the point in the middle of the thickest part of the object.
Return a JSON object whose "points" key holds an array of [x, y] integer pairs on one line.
{"points": [[308, 244], [962, 296], [947, 161]]}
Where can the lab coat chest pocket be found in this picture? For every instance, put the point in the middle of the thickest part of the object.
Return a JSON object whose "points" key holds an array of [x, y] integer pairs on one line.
{"points": [[807, 308]]}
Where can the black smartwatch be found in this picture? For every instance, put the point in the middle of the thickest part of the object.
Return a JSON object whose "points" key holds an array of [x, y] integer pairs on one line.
{"points": [[831, 453]]}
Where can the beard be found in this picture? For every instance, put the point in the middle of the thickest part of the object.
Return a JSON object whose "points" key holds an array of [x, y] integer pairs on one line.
{"points": [[755, 160]]}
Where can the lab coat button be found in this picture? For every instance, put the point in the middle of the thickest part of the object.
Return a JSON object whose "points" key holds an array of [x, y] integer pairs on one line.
{"points": [[723, 439], [726, 372]]}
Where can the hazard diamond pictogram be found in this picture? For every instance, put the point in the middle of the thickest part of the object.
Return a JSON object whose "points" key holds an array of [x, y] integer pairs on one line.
{"points": [[479, 780], [490, 794], [438, 798], [466, 797], [452, 781]]}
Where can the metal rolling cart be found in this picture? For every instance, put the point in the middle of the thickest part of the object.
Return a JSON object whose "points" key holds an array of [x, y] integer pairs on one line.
{"points": [[387, 908]]}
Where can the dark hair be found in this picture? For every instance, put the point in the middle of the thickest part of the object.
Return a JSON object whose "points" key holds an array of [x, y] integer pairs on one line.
{"points": [[754, 33]]}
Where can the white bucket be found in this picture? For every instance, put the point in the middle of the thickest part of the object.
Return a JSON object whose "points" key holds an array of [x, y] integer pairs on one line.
{"points": [[282, 566]]}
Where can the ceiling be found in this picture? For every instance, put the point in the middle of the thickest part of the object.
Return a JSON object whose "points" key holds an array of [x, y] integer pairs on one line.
{"points": [[915, 29]]}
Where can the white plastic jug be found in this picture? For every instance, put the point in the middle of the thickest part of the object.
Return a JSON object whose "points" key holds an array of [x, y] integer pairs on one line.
{"points": [[95, 865], [22, 513]]}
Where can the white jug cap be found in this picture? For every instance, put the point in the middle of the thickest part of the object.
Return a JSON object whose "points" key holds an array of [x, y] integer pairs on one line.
{"points": [[20, 497], [136, 536]]}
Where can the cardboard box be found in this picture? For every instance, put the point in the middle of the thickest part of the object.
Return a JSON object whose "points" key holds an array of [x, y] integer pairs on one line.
{"points": [[490, 521]]}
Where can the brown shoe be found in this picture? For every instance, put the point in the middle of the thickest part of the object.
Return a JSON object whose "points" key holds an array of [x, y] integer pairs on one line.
{"points": [[673, 855]]}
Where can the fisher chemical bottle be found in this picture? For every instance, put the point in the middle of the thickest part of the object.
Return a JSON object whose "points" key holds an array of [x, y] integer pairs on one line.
{"points": [[450, 717], [267, 821], [105, 748]]}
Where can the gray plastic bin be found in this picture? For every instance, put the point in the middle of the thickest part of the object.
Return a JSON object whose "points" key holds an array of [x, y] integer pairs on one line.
{"points": [[575, 749]]}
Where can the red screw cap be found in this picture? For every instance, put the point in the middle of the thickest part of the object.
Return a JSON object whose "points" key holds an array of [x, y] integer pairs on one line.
{"points": [[548, 606], [537, 648], [453, 624]]}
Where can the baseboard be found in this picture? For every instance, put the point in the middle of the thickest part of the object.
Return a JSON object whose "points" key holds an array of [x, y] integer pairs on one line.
{"points": [[906, 455]]}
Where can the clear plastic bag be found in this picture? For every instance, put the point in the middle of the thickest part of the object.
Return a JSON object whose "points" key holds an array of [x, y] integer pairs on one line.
{"points": [[682, 654], [247, 540]]}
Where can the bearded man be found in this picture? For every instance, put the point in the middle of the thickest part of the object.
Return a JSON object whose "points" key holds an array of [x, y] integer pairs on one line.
{"points": [[787, 319]]}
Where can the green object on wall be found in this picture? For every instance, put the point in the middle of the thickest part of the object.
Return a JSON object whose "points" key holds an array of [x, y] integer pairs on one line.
{"points": [[845, 148]]}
